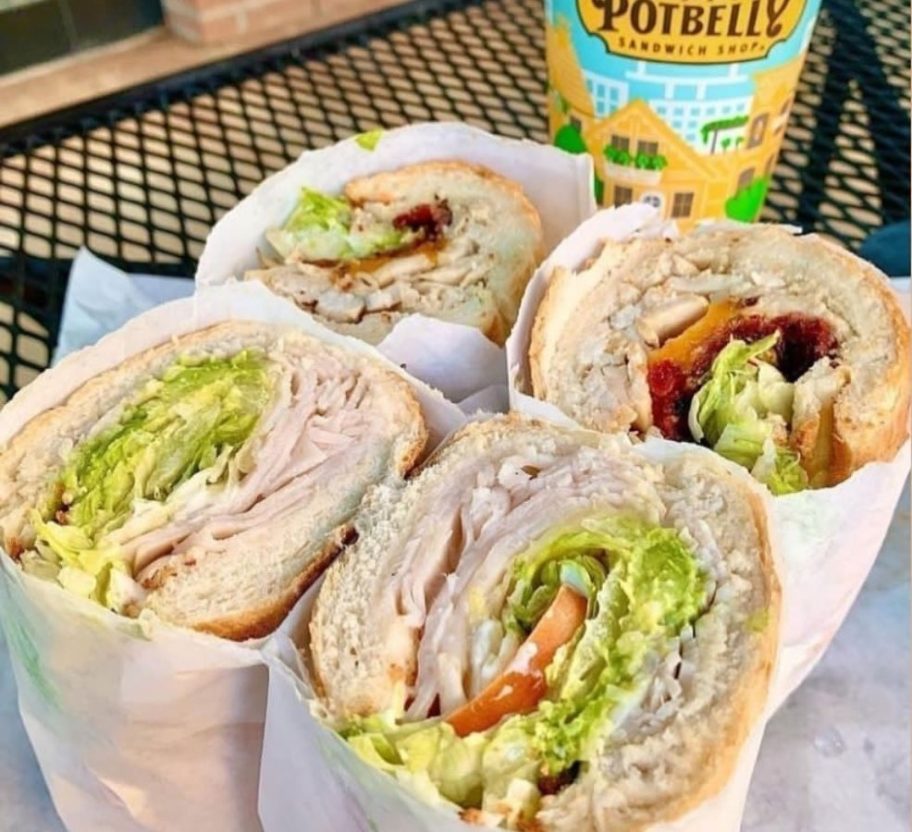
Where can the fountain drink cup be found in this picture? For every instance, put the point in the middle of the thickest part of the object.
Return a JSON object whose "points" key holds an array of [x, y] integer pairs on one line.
{"points": [[681, 103]]}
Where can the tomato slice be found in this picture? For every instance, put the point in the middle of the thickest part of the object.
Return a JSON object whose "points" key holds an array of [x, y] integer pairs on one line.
{"points": [[522, 684]]}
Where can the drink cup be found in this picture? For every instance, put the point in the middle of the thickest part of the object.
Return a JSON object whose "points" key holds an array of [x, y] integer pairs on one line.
{"points": [[683, 104]]}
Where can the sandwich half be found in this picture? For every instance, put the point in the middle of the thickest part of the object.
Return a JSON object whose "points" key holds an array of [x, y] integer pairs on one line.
{"points": [[784, 353], [208, 479], [546, 631], [448, 239]]}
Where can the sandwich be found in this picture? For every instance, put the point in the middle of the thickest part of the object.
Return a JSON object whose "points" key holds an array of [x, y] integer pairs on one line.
{"points": [[209, 479], [448, 240], [784, 353], [544, 630]]}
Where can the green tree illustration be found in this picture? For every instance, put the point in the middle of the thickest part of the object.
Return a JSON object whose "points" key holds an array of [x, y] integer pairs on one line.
{"points": [[642, 161], [745, 205], [719, 125], [569, 138]]}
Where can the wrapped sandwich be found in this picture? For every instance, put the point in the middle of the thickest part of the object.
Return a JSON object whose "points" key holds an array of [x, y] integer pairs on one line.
{"points": [[545, 630], [783, 353], [208, 479], [447, 239]]}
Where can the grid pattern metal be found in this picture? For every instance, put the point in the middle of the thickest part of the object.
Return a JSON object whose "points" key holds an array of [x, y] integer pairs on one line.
{"points": [[139, 177]]}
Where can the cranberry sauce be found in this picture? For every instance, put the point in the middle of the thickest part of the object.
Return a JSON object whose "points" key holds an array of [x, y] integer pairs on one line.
{"points": [[803, 340]]}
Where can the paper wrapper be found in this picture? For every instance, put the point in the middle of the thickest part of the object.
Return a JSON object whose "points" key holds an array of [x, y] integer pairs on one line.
{"points": [[328, 787], [101, 298], [138, 725], [456, 359]]}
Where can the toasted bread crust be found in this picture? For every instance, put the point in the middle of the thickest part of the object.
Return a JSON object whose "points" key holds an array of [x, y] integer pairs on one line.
{"points": [[877, 434], [260, 622]]}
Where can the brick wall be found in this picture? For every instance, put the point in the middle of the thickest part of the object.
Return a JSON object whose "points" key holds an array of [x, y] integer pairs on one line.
{"points": [[217, 21]]}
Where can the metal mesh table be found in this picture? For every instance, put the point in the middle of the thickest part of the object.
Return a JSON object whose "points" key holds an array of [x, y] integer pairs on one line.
{"points": [[140, 176]]}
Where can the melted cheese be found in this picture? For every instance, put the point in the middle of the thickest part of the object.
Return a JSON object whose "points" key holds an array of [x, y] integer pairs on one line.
{"points": [[682, 349], [368, 265], [817, 464]]}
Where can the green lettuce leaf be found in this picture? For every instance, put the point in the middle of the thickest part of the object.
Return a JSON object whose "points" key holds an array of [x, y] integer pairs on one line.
{"points": [[574, 558], [369, 139], [453, 765], [188, 424], [780, 470], [321, 228], [743, 411], [653, 588]]}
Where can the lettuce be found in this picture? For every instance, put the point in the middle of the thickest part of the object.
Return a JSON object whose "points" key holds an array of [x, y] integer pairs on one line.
{"points": [[369, 139], [322, 228], [186, 425], [494, 770], [652, 589], [742, 412], [429, 749], [780, 470], [643, 584], [569, 557]]}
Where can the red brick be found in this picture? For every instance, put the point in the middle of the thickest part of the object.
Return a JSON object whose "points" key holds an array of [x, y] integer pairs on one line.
{"points": [[212, 27], [224, 27], [266, 14]]}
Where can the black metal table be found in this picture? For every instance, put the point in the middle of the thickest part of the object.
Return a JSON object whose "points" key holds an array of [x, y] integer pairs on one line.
{"points": [[140, 176]]}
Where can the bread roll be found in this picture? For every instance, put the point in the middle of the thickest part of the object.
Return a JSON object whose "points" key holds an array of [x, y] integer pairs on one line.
{"points": [[545, 630], [629, 342], [208, 479], [448, 240]]}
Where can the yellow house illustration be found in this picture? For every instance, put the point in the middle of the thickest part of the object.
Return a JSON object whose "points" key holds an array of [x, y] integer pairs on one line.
{"points": [[685, 187], [640, 158]]}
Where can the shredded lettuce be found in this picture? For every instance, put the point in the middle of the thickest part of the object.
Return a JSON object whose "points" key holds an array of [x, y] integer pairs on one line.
{"points": [[323, 228], [780, 470], [181, 429], [743, 411], [538, 578], [643, 584], [653, 588]]}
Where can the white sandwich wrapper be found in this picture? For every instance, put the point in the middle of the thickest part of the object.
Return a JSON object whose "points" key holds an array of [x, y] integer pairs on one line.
{"points": [[138, 725], [330, 788], [456, 359], [101, 298]]}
